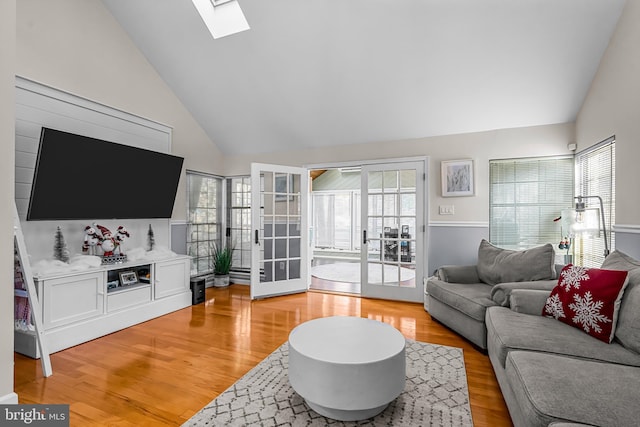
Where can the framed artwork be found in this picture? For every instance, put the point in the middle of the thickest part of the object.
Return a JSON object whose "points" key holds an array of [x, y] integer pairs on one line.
{"points": [[128, 278], [457, 178]]}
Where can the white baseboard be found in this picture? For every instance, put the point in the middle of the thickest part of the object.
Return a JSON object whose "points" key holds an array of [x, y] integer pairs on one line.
{"points": [[9, 399]]}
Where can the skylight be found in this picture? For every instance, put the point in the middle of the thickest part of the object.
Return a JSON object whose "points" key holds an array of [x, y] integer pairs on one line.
{"points": [[222, 17]]}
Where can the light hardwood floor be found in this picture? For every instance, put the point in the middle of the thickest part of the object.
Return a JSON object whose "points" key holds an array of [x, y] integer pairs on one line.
{"points": [[163, 371]]}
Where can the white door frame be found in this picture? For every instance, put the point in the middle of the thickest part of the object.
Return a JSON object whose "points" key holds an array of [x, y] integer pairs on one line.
{"points": [[425, 219], [275, 287]]}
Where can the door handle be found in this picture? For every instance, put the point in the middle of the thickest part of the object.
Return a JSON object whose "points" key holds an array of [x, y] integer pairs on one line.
{"points": [[257, 238], [364, 237]]}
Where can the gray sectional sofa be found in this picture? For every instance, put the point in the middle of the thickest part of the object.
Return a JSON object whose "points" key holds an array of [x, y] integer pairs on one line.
{"points": [[458, 296], [550, 373]]}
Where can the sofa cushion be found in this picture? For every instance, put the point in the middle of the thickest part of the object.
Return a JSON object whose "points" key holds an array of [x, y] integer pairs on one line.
{"points": [[628, 328], [501, 293], [508, 331], [552, 388], [588, 299], [497, 265], [470, 299]]}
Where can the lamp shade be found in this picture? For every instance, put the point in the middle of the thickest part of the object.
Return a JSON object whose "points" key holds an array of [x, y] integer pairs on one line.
{"points": [[585, 222]]}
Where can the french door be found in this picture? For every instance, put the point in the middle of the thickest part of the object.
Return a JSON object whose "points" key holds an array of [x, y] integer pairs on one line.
{"points": [[393, 224], [280, 237]]}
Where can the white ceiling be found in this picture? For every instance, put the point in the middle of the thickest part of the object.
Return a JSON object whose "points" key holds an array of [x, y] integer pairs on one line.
{"points": [[315, 73]]}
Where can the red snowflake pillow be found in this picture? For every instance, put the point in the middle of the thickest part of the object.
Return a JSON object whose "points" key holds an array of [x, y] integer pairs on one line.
{"points": [[588, 299]]}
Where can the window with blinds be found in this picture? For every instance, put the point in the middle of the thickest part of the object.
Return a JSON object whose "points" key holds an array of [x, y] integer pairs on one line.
{"points": [[525, 197], [595, 176], [203, 221], [239, 221]]}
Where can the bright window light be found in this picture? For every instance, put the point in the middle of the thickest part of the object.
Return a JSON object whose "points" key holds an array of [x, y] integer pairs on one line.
{"points": [[222, 18]]}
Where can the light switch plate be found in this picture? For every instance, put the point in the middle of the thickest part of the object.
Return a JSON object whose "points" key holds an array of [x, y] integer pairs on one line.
{"points": [[446, 210]]}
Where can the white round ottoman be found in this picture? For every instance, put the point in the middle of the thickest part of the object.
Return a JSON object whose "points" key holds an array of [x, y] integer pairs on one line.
{"points": [[347, 368]]}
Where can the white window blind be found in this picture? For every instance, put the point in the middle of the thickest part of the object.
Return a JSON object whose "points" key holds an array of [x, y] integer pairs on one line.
{"points": [[239, 221], [525, 196], [595, 176], [204, 222]]}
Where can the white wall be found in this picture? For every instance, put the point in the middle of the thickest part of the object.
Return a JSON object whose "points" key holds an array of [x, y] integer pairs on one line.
{"points": [[77, 46], [7, 112], [481, 146], [612, 107]]}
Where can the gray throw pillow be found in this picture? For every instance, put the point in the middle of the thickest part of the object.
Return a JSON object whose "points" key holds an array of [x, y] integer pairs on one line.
{"points": [[497, 265], [628, 327]]}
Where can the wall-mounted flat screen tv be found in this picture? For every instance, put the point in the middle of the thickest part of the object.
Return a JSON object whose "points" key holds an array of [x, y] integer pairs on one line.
{"points": [[78, 177]]}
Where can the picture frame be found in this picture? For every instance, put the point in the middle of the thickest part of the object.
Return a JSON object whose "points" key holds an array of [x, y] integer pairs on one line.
{"points": [[128, 278], [457, 178]]}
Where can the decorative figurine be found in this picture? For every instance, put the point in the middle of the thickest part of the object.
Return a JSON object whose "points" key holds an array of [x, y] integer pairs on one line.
{"points": [[107, 243], [60, 251], [91, 240], [121, 235]]}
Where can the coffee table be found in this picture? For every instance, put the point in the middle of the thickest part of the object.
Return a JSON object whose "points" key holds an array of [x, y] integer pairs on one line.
{"points": [[347, 368]]}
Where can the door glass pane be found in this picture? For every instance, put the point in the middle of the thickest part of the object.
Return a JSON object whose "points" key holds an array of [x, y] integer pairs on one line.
{"points": [[294, 248], [408, 204], [281, 248], [375, 181], [390, 181], [294, 205], [294, 226], [281, 184], [268, 203], [281, 270], [267, 226], [390, 207], [294, 269], [375, 228], [267, 182], [373, 251], [268, 249], [375, 204], [294, 185], [267, 276], [407, 179], [281, 226]]}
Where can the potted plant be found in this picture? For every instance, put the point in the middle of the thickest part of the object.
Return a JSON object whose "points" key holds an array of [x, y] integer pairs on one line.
{"points": [[222, 258]]}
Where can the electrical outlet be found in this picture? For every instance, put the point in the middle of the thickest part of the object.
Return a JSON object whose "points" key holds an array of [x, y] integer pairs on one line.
{"points": [[446, 210]]}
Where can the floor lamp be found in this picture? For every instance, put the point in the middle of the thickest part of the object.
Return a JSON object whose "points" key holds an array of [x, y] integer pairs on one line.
{"points": [[586, 221]]}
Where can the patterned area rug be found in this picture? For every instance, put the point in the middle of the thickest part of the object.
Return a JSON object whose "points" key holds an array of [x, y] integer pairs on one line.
{"points": [[435, 394]]}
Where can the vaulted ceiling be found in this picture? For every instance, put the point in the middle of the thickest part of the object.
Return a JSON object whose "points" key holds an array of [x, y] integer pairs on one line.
{"points": [[316, 73]]}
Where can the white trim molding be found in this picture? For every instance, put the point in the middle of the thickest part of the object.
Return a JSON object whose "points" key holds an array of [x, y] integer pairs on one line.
{"points": [[473, 224], [626, 228], [9, 399]]}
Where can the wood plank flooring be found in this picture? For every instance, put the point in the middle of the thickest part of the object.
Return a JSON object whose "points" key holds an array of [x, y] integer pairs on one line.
{"points": [[161, 372]]}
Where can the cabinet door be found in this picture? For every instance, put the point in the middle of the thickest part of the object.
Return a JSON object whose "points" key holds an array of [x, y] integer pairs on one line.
{"points": [[171, 277], [72, 299]]}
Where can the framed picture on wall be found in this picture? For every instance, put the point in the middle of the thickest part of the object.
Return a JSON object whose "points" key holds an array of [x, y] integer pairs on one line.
{"points": [[457, 178]]}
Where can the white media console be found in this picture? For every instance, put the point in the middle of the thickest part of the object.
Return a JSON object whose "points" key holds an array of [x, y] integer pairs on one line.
{"points": [[83, 305]]}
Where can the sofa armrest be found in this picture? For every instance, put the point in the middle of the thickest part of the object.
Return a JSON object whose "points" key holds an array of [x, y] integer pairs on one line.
{"points": [[529, 301], [458, 274], [501, 293]]}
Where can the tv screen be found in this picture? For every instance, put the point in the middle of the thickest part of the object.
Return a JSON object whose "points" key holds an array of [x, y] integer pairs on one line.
{"points": [[77, 177]]}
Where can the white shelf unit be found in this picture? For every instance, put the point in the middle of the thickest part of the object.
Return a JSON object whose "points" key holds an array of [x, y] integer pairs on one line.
{"points": [[78, 306]]}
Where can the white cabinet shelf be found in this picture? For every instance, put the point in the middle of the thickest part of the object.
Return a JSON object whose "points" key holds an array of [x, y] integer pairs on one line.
{"points": [[79, 306]]}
